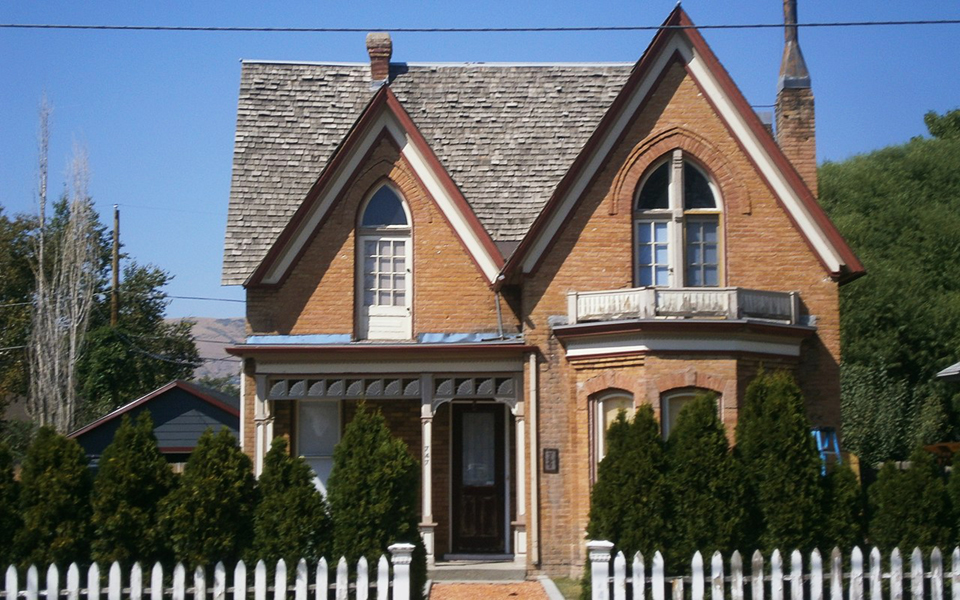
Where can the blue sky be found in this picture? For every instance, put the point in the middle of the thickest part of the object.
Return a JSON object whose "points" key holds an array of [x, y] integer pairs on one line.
{"points": [[156, 109]]}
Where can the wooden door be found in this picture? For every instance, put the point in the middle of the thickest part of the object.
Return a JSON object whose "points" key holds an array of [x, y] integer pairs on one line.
{"points": [[478, 479]]}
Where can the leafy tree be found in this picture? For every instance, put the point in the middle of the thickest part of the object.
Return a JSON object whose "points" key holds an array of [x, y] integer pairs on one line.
{"points": [[9, 509], [54, 501], [291, 520], [209, 516], [910, 508], [704, 485], [373, 493], [946, 126], [16, 285], [228, 384], [782, 465], [131, 480], [843, 525], [878, 413], [628, 500]]}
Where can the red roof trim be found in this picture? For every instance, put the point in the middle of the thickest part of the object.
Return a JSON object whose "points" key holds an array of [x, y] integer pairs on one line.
{"points": [[679, 17], [177, 383], [383, 98], [247, 350]]}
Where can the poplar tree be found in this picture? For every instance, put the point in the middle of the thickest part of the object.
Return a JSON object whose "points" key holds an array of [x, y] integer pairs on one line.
{"points": [[373, 491], [54, 501], [782, 466], [132, 479], [291, 520], [209, 516], [704, 485]]}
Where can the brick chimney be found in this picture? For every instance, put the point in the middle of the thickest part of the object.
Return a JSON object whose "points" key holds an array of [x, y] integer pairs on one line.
{"points": [[796, 125], [380, 49]]}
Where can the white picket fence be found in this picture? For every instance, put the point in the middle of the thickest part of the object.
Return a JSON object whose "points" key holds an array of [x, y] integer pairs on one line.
{"points": [[784, 580], [320, 586]]}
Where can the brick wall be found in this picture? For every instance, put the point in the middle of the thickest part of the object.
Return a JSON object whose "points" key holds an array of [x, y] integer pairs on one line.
{"points": [[761, 250], [318, 296]]}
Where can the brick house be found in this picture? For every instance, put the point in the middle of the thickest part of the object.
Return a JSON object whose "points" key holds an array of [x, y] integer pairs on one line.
{"points": [[500, 256]]}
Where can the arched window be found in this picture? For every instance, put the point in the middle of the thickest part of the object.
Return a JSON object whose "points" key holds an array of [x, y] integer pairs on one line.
{"points": [[671, 403], [608, 406], [384, 265], [677, 222]]}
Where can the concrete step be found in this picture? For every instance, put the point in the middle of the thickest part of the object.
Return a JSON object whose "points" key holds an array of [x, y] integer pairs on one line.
{"points": [[477, 570]]}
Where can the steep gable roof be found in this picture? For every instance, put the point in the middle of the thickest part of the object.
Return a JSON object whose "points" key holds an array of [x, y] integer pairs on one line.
{"points": [[679, 40], [505, 134]]}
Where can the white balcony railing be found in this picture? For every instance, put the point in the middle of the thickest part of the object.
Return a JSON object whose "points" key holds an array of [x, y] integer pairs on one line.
{"points": [[653, 303]]}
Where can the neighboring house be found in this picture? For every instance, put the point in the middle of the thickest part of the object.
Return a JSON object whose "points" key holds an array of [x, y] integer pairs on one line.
{"points": [[181, 412], [500, 256], [951, 373]]}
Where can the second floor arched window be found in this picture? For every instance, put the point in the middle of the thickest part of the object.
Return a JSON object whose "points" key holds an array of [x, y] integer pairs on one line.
{"points": [[677, 226]]}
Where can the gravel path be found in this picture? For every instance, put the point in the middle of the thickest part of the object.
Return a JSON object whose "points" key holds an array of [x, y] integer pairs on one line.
{"points": [[528, 590]]}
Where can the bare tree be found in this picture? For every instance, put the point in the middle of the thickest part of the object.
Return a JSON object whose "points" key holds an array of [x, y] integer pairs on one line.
{"points": [[65, 267]]}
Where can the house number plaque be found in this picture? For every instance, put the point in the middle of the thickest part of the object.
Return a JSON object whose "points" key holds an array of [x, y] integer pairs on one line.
{"points": [[551, 460]]}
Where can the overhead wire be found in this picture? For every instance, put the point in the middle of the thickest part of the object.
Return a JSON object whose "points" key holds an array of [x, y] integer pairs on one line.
{"points": [[560, 29]]}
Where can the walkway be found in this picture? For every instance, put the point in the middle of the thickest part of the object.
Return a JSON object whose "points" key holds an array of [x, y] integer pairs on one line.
{"points": [[527, 590]]}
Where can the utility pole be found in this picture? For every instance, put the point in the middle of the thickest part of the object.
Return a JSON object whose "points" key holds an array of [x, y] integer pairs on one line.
{"points": [[115, 289]]}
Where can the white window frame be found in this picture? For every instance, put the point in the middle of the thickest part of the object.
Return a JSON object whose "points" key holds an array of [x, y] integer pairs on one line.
{"points": [[320, 483], [379, 322], [668, 415], [600, 423], [676, 218]]}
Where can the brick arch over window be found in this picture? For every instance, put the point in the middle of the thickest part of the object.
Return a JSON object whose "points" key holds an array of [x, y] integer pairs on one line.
{"points": [[736, 197], [692, 378], [613, 381]]}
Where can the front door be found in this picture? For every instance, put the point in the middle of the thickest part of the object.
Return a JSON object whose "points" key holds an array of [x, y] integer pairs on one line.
{"points": [[478, 479]]}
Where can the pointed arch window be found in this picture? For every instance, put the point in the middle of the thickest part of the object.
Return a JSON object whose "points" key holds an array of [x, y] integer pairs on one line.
{"points": [[677, 226], [384, 278]]}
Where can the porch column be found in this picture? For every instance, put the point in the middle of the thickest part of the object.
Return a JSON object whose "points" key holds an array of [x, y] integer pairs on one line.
{"points": [[427, 525], [520, 525], [263, 424]]}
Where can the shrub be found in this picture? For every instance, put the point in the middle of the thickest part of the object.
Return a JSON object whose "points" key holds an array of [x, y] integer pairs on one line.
{"points": [[909, 508], [132, 479], [9, 511], [628, 500], [843, 512], [704, 485], [291, 520], [209, 516], [373, 491], [54, 501], [782, 466]]}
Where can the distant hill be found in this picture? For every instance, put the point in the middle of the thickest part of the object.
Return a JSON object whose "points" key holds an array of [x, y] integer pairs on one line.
{"points": [[212, 336]]}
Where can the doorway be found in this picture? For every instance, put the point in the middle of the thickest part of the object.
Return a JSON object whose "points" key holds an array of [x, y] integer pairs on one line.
{"points": [[478, 479]]}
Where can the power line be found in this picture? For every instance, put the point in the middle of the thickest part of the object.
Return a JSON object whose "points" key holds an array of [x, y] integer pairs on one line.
{"points": [[202, 298], [16, 304], [601, 28], [12, 348]]}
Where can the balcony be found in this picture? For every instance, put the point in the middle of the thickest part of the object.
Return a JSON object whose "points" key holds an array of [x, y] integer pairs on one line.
{"points": [[679, 303]]}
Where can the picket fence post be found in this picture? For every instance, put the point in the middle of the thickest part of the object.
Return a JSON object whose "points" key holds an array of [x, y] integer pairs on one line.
{"points": [[856, 574], [916, 573], [300, 589], [401, 555], [156, 582], [239, 581], [736, 575], [136, 582], [696, 581], [73, 582], [756, 576], [383, 578], [599, 553], [716, 576], [896, 575], [639, 577], [279, 581], [323, 579], [816, 575], [876, 575], [619, 577], [936, 574], [219, 581]]}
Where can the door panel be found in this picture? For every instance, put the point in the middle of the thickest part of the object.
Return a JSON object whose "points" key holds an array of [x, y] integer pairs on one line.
{"points": [[478, 478]]}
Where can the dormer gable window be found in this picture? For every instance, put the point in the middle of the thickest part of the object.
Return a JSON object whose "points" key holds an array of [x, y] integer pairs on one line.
{"points": [[384, 279], [677, 226]]}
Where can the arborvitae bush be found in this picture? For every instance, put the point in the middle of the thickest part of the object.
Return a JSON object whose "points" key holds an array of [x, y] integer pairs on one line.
{"points": [[628, 500], [782, 465], [843, 525], [291, 520], [953, 495], [131, 480], [208, 517], [910, 508], [704, 485], [373, 490], [9, 510], [54, 502]]}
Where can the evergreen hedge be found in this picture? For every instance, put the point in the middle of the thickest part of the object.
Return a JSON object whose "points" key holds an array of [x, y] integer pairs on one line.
{"points": [[132, 478], [782, 466], [910, 508], [705, 485], [291, 520], [54, 502], [209, 516], [9, 497], [373, 491], [843, 512]]}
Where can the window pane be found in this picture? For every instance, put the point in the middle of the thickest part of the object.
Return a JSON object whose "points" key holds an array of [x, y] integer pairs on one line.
{"points": [[399, 298], [660, 231], [644, 255], [383, 265], [696, 190], [694, 257], [479, 453], [321, 471], [383, 298], [654, 194], [661, 254], [399, 265], [646, 276], [710, 254], [386, 248], [710, 276], [384, 209], [710, 232], [693, 277], [663, 276], [319, 428], [643, 233]]}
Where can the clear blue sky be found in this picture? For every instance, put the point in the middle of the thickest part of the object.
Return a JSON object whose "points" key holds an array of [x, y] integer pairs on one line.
{"points": [[156, 110]]}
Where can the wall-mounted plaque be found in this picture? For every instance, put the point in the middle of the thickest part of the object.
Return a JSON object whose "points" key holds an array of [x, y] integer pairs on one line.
{"points": [[551, 460]]}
